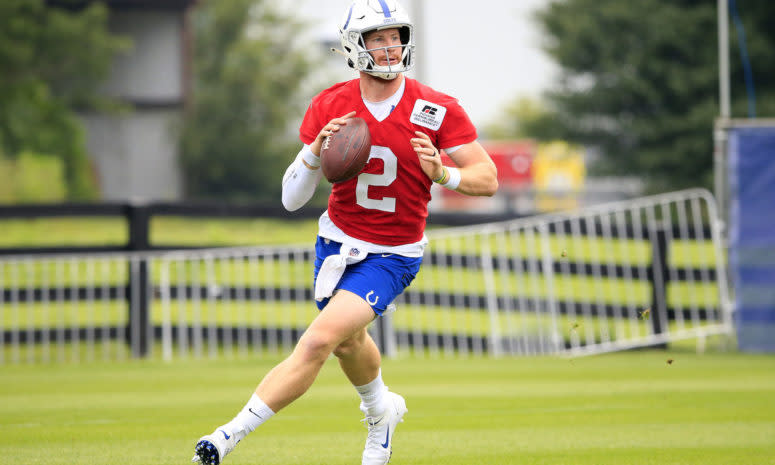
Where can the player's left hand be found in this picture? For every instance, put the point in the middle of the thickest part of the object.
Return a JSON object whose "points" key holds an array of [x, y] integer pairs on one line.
{"points": [[430, 159]]}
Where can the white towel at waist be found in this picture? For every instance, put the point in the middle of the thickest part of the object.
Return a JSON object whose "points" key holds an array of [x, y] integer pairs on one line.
{"points": [[332, 269]]}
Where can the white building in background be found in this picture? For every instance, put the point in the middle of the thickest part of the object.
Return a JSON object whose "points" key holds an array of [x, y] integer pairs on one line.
{"points": [[135, 154]]}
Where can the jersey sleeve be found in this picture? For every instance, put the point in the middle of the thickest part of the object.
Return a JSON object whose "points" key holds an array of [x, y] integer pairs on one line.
{"points": [[323, 108], [457, 128], [310, 125]]}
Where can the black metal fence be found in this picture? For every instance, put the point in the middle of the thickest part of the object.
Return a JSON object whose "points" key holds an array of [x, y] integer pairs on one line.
{"points": [[137, 216], [139, 291]]}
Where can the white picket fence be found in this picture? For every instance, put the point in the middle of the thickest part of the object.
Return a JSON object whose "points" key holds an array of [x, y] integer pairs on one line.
{"points": [[618, 276]]}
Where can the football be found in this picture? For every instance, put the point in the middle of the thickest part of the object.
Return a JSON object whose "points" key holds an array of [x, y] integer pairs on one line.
{"points": [[345, 152]]}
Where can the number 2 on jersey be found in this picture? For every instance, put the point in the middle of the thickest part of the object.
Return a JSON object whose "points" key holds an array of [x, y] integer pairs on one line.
{"points": [[390, 162]]}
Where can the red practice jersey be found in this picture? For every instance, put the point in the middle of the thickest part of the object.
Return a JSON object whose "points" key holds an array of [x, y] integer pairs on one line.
{"points": [[387, 203]]}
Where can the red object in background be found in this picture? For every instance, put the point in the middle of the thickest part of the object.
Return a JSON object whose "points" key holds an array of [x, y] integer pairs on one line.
{"points": [[514, 160]]}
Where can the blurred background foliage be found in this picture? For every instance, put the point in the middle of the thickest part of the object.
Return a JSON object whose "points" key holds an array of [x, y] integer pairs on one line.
{"points": [[32, 177], [638, 87], [639, 84], [52, 62], [249, 69]]}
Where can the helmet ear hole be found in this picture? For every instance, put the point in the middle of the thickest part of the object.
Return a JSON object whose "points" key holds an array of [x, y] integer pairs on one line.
{"points": [[406, 35]]}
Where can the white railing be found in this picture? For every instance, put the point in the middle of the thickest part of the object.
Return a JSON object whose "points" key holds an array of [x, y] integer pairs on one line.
{"points": [[611, 277], [631, 274]]}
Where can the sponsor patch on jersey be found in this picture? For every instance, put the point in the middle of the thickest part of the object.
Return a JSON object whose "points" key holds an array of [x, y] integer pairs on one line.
{"points": [[428, 114]]}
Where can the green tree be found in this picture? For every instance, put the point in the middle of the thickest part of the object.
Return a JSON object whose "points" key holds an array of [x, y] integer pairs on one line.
{"points": [[639, 82], [52, 61], [237, 136], [526, 118]]}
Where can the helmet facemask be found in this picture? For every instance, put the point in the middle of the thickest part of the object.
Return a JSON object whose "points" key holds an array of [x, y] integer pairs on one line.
{"points": [[367, 64], [364, 17]]}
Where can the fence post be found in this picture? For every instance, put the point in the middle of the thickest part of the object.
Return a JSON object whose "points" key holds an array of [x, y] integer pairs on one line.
{"points": [[384, 335], [139, 293], [659, 276]]}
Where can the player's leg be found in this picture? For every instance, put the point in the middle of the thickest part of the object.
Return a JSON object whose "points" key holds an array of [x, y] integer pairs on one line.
{"points": [[360, 361], [359, 358], [344, 316], [376, 280]]}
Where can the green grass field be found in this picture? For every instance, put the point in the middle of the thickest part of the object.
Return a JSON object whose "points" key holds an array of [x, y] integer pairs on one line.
{"points": [[628, 408], [165, 231]]}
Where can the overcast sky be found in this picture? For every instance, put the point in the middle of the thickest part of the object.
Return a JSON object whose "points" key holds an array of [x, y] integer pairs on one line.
{"points": [[484, 52]]}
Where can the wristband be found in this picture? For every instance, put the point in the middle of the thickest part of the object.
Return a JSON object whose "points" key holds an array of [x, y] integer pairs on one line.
{"points": [[310, 159], [443, 178], [453, 179]]}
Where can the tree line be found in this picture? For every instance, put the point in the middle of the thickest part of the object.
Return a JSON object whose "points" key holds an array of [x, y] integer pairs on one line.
{"points": [[638, 83]]}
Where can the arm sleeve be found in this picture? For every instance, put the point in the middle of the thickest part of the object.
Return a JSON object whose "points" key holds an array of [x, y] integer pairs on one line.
{"points": [[300, 182]]}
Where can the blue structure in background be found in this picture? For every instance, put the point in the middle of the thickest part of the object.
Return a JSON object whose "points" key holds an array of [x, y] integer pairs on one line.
{"points": [[752, 235]]}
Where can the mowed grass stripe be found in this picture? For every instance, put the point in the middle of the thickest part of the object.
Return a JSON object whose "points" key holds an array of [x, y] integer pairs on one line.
{"points": [[164, 230], [629, 408], [167, 230]]}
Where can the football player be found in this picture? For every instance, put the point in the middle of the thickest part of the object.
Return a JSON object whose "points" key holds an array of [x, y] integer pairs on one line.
{"points": [[371, 238]]}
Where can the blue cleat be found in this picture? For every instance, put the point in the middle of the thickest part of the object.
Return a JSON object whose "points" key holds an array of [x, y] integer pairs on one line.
{"points": [[211, 449]]}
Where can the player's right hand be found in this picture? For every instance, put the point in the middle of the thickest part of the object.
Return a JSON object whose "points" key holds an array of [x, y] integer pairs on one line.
{"points": [[327, 130]]}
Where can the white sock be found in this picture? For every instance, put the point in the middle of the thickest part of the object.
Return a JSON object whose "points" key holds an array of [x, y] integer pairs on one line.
{"points": [[253, 414], [373, 398]]}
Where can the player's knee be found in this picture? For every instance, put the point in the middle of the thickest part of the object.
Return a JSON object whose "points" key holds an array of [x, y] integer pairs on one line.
{"points": [[315, 347], [348, 348], [352, 345]]}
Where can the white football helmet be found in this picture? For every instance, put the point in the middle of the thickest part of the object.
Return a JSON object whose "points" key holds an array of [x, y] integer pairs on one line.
{"points": [[369, 15]]}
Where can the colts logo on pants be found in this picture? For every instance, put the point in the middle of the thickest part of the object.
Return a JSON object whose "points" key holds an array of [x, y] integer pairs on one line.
{"points": [[368, 298]]}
